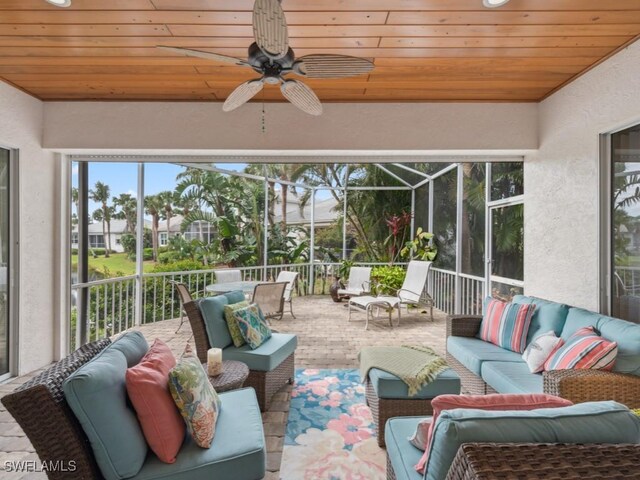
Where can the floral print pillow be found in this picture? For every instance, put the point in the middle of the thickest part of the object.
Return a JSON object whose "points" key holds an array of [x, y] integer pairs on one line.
{"points": [[232, 322], [196, 399], [253, 325]]}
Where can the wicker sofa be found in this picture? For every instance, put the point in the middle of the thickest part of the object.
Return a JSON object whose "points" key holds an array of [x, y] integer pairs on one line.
{"points": [[42, 411], [271, 365], [485, 368]]}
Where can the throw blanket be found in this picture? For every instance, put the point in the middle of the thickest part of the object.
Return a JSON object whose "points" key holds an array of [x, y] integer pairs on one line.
{"points": [[414, 365]]}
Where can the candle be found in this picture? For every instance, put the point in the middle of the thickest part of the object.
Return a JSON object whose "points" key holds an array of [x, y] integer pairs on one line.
{"points": [[214, 361]]}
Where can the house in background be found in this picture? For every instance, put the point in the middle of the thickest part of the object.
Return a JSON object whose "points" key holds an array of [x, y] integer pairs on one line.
{"points": [[198, 230], [97, 238], [326, 212]]}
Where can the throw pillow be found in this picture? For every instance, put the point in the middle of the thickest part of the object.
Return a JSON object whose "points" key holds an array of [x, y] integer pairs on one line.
{"points": [[148, 389], [196, 399], [507, 324], [232, 322], [253, 325], [531, 401], [585, 349], [420, 437], [540, 349]]}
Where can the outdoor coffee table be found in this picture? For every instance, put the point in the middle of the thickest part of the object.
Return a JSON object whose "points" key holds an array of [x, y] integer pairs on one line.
{"points": [[368, 303], [233, 376], [226, 287]]}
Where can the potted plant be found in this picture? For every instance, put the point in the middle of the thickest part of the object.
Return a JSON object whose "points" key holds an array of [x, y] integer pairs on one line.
{"points": [[421, 247]]}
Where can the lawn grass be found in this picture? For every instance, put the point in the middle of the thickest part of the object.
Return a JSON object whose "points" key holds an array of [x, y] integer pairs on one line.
{"points": [[117, 264]]}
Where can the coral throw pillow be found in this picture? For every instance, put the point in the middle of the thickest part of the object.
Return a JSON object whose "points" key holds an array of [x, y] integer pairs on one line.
{"points": [[507, 324], [195, 397], [232, 322], [585, 349], [253, 325], [148, 389], [539, 350], [487, 402]]}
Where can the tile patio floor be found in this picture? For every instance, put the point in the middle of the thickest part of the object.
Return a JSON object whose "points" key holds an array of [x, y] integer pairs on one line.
{"points": [[325, 340]]}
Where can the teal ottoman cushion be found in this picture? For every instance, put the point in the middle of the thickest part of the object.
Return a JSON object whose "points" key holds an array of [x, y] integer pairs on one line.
{"points": [[237, 452], [212, 309], [267, 356], [133, 346], [97, 395], [402, 455], [390, 386], [472, 352], [511, 377], [594, 422], [547, 316]]}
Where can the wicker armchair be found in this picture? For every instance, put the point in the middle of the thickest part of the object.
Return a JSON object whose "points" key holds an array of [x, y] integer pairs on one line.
{"points": [[41, 410], [266, 384], [575, 385]]}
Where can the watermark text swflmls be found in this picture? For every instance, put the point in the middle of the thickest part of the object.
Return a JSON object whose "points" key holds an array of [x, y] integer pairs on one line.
{"points": [[30, 466]]}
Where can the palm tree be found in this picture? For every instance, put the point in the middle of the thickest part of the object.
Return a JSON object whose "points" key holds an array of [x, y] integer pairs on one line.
{"points": [[128, 210], [168, 199], [101, 194], [154, 206]]}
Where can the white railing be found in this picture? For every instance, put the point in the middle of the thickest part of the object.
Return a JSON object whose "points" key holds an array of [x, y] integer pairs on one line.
{"points": [[627, 281], [112, 302]]}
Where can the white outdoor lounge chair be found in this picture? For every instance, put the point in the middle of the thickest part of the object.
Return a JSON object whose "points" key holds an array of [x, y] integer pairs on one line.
{"points": [[228, 275], [413, 292], [291, 278], [359, 282]]}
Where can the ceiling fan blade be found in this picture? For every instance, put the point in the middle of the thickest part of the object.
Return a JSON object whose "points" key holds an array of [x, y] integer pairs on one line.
{"points": [[207, 55], [270, 28], [331, 66], [301, 96], [242, 94]]}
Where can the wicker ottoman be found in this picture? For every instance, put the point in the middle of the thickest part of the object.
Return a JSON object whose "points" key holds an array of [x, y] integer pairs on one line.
{"points": [[387, 397]]}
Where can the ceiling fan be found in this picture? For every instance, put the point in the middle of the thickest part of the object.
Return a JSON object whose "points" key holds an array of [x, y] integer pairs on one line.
{"points": [[272, 58]]}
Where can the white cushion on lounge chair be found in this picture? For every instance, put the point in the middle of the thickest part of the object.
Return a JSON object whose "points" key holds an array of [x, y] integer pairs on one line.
{"points": [[359, 282]]}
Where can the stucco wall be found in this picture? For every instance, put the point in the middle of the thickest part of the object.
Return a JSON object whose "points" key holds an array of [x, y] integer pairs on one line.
{"points": [[21, 123], [404, 126], [561, 180]]}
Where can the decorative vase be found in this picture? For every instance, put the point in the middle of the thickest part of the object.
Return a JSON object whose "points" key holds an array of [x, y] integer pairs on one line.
{"points": [[333, 289]]}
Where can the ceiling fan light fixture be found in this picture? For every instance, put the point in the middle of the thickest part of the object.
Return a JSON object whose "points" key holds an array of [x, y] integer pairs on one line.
{"points": [[60, 3], [494, 3]]}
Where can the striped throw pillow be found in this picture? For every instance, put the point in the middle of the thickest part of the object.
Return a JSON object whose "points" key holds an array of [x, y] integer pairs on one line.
{"points": [[585, 349], [507, 324]]}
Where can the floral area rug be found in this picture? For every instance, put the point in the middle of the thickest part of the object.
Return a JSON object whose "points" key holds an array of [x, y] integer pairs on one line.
{"points": [[330, 433]]}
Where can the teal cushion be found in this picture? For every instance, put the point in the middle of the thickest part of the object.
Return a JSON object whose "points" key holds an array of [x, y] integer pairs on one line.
{"points": [[471, 352], [390, 386], [595, 422], [212, 309], [267, 356], [402, 455], [238, 449], [627, 336], [547, 316], [578, 318], [97, 395], [511, 377], [133, 346]]}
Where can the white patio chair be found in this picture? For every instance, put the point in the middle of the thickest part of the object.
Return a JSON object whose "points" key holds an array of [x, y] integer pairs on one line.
{"points": [[359, 282], [228, 275], [291, 278], [412, 292]]}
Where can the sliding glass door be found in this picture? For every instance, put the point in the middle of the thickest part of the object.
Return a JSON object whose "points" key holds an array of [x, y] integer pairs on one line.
{"points": [[624, 224], [5, 265]]}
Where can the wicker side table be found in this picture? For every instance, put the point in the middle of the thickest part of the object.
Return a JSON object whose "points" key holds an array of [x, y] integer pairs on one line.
{"points": [[233, 376]]}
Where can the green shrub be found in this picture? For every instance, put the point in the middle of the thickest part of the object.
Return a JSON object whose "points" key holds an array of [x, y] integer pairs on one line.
{"points": [[179, 266], [170, 257], [74, 251], [387, 280]]}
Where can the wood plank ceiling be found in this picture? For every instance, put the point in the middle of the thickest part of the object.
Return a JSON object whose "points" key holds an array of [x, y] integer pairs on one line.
{"points": [[424, 50]]}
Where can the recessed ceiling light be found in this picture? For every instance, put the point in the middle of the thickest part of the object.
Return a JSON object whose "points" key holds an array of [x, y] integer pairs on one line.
{"points": [[494, 3], [59, 3]]}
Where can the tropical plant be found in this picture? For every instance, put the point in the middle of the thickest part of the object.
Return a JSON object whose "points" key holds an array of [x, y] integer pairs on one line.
{"points": [[421, 247], [387, 279], [154, 206], [127, 210], [398, 226], [101, 194], [345, 268]]}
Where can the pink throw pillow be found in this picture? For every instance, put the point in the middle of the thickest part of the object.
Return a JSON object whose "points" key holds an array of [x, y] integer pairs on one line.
{"points": [[496, 401], [148, 389]]}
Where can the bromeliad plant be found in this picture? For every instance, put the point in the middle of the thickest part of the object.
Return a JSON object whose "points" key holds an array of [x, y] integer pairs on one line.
{"points": [[398, 225], [421, 247]]}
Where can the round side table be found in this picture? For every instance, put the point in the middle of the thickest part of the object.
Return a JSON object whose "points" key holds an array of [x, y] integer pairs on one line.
{"points": [[233, 376]]}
